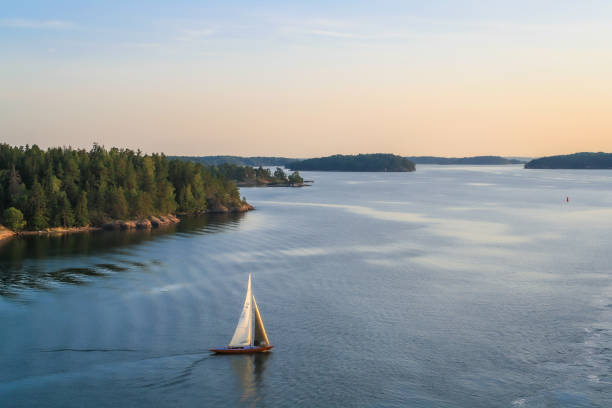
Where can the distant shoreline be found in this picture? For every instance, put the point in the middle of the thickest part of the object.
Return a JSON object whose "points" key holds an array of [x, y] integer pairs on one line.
{"points": [[258, 183], [256, 161], [465, 161]]}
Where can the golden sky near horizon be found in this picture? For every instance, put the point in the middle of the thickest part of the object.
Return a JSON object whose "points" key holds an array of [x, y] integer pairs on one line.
{"points": [[313, 82]]}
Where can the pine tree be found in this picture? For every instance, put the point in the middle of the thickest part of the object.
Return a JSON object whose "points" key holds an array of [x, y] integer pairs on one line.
{"points": [[16, 188], [65, 211], [117, 206], [37, 207], [81, 213], [280, 174], [38, 220]]}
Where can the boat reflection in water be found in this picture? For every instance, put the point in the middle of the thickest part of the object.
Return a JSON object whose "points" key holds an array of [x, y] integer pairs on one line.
{"points": [[249, 370]]}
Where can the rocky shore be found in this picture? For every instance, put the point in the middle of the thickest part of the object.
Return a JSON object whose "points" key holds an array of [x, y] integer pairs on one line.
{"points": [[145, 223], [221, 209], [58, 231], [5, 233]]}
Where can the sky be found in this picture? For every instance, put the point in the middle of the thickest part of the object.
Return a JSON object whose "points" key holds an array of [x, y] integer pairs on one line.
{"points": [[311, 78]]}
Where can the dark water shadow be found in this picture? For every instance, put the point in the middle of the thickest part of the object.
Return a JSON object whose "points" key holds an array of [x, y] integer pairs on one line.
{"points": [[26, 261]]}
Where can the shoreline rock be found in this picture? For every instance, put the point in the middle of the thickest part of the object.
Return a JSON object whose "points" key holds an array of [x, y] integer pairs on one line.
{"points": [[144, 224], [5, 233], [59, 231], [221, 209], [149, 222]]}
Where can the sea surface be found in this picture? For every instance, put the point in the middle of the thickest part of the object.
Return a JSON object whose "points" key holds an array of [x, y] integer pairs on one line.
{"points": [[453, 286]]}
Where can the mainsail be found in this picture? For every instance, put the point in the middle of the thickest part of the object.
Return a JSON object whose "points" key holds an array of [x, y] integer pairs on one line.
{"points": [[243, 336]]}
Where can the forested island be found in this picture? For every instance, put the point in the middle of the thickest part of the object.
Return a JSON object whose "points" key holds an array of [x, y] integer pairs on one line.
{"points": [[116, 188], [359, 162], [474, 160], [584, 160], [246, 176]]}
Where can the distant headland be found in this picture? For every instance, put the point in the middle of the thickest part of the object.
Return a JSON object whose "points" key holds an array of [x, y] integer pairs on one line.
{"points": [[584, 160], [359, 162], [474, 160]]}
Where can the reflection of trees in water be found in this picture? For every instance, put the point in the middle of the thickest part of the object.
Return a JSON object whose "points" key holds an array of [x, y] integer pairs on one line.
{"points": [[22, 259], [249, 370]]}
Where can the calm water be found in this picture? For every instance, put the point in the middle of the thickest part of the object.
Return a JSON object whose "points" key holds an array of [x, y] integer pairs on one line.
{"points": [[448, 287]]}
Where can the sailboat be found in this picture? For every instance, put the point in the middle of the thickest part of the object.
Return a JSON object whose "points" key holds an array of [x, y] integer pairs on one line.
{"points": [[250, 335]]}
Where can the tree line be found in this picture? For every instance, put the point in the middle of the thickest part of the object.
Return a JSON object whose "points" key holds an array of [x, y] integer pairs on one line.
{"points": [[247, 173], [66, 187], [254, 161]]}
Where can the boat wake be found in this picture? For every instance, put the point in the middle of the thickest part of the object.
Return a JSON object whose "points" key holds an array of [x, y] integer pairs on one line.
{"points": [[179, 379], [87, 350]]}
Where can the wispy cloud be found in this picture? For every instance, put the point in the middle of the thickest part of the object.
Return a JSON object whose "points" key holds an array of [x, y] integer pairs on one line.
{"points": [[142, 45], [335, 34], [553, 28], [408, 28], [195, 34], [36, 24], [320, 22], [317, 26]]}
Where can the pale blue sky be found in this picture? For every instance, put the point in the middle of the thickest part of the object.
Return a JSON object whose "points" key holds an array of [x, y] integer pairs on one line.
{"points": [[308, 78]]}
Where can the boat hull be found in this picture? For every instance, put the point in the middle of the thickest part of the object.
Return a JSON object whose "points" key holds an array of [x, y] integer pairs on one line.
{"points": [[241, 350]]}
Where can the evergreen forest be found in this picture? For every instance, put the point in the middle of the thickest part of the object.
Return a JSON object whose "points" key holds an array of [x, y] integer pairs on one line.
{"points": [[66, 187]]}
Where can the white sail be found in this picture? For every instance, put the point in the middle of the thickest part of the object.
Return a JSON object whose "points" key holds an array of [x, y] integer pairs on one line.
{"points": [[243, 336], [260, 336]]}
